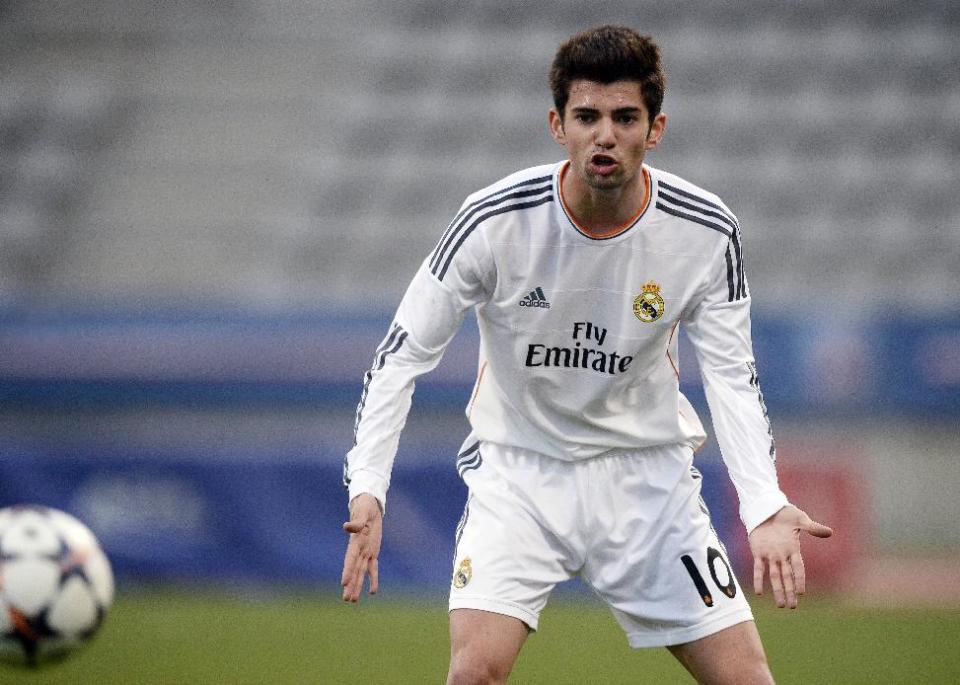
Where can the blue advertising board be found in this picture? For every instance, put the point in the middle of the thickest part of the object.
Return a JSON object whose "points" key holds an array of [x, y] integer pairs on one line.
{"points": [[827, 366], [256, 518]]}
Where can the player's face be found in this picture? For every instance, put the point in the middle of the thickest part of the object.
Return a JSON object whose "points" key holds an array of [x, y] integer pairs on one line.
{"points": [[607, 132]]}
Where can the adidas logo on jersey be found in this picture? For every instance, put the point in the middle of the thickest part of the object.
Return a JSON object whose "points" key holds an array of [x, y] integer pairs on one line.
{"points": [[536, 298]]}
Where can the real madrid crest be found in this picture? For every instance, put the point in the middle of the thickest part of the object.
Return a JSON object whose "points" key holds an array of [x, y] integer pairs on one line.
{"points": [[648, 305], [463, 575]]}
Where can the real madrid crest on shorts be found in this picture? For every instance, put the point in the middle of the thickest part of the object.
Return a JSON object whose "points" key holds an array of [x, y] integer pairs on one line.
{"points": [[463, 575], [648, 305]]}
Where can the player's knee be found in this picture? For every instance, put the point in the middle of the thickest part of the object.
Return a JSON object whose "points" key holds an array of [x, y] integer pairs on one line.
{"points": [[467, 669], [752, 670], [743, 672]]}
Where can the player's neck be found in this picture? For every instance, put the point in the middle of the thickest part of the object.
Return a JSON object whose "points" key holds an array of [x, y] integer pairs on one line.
{"points": [[603, 213]]}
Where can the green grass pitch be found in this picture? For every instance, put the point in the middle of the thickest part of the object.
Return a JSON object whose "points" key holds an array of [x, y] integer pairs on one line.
{"points": [[196, 638]]}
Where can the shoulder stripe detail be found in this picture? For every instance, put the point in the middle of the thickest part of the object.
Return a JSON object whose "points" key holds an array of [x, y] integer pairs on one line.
{"points": [[730, 288], [686, 205], [672, 205], [468, 211], [699, 199], [390, 345], [741, 279], [735, 284], [694, 218], [465, 230]]}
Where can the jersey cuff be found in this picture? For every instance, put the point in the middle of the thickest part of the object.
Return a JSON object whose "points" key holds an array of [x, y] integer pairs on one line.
{"points": [[757, 511], [366, 482]]}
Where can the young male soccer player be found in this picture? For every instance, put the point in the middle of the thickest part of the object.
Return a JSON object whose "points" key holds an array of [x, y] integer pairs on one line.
{"points": [[580, 456]]}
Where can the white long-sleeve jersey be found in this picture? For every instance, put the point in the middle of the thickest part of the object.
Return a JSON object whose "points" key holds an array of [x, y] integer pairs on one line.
{"points": [[578, 343]]}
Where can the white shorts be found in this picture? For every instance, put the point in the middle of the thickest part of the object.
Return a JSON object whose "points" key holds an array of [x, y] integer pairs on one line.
{"points": [[632, 525]]}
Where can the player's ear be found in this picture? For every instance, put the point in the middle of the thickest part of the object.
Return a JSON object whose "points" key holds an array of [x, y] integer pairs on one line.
{"points": [[556, 126], [657, 128]]}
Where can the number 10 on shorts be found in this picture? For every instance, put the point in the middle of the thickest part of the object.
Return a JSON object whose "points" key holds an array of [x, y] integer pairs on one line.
{"points": [[729, 588]]}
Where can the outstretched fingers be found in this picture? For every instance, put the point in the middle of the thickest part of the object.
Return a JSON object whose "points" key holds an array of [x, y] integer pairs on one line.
{"points": [[775, 544], [363, 548], [357, 585], [352, 568], [776, 583], [799, 573], [374, 570], [354, 565], [786, 579], [354, 572], [789, 589]]}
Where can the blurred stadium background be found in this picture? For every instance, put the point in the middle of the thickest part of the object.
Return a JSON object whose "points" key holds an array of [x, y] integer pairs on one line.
{"points": [[209, 210]]}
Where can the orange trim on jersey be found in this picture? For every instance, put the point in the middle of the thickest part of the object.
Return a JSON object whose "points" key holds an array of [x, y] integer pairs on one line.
{"points": [[613, 232], [476, 389], [669, 358]]}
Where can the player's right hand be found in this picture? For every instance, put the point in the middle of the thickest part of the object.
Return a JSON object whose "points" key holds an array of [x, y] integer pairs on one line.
{"points": [[775, 544], [366, 531]]}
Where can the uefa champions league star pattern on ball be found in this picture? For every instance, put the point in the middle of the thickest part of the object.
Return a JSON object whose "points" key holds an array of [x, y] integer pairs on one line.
{"points": [[56, 585]]}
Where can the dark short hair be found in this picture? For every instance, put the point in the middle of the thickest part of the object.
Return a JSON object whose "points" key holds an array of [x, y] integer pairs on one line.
{"points": [[606, 54]]}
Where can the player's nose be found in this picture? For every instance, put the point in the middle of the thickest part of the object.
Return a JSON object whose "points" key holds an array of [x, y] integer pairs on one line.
{"points": [[604, 135]]}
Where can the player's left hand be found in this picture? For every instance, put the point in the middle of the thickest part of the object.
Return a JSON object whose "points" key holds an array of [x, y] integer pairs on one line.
{"points": [[775, 544], [366, 532]]}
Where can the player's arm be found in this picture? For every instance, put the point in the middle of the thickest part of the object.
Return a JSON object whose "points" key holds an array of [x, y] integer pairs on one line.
{"points": [[428, 317], [719, 328]]}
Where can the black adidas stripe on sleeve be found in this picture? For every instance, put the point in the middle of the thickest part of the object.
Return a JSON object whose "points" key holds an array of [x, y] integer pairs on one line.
{"points": [[465, 214], [682, 204], [463, 232], [454, 236], [390, 345]]}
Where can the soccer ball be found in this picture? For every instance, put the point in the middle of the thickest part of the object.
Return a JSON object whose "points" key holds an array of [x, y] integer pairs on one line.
{"points": [[55, 585]]}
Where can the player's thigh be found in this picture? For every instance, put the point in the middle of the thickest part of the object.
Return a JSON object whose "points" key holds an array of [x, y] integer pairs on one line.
{"points": [[483, 646], [731, 656], [659, 565], [514, 542]]}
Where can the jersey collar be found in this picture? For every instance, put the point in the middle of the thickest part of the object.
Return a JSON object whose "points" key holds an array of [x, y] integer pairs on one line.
{"points": [[612, 233]]}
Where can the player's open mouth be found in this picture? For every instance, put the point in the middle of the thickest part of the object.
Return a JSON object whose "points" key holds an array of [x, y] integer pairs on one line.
{"points": [[603, 164]]}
